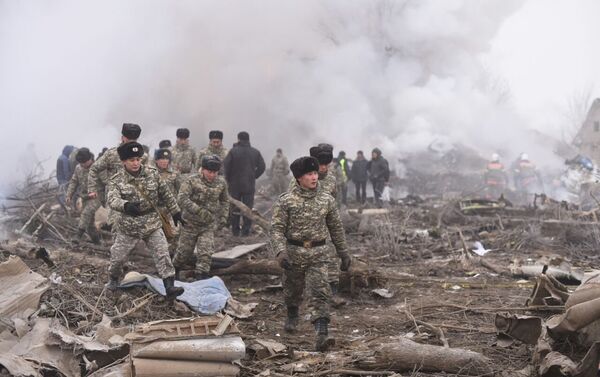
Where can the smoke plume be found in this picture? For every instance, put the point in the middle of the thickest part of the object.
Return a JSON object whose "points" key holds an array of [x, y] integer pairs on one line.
{"points": [[358, 74]]}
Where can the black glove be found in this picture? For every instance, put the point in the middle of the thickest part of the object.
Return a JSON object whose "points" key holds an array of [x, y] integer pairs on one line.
{"points": [[177, 219], [132, 208], [345, 265], [284, 262]]}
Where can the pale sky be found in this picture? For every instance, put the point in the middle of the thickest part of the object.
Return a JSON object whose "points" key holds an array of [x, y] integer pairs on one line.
{"points": [[547, 51]]}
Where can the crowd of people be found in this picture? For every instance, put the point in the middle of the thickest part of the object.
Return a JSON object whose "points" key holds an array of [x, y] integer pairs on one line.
{"points": [[176, 200]]}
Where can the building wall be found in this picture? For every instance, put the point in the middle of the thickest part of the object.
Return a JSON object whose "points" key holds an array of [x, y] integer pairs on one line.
{"points": [[589, 135]]}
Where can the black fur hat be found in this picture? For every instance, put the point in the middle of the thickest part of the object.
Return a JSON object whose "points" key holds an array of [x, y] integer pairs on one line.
{"points": [[83, 155], [322, 153], [215, 134], [131, 131], [212, 163], [162, 154], [182, 133], [304, 165], [129, 150]]}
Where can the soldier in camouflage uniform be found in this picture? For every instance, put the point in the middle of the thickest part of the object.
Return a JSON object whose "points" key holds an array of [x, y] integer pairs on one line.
{"points": [[327, 182], [108, 165], [303, 219], [162, 161], [135, 192], [215, 148], [78, 184], [340, 181], [278, 172], [184, 156], [205, 204]]}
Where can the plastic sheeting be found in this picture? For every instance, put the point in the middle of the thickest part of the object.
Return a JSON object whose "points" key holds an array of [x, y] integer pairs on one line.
{"points": [[203, 296]]}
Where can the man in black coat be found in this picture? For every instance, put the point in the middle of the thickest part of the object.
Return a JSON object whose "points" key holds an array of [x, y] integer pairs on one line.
{"points": [[379, 174], [359, 176], [243, 165]]}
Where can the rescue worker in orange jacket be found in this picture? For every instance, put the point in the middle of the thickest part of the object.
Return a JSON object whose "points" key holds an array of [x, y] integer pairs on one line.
{"points": [[495, 178], [526, 177]]}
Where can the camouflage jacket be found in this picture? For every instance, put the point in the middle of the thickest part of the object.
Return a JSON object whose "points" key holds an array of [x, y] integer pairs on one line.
{"points": [[124, 187], [209, 151], [184, 159], [79, 183], [279, 166], [306, 215], [204, 202], [173, 180], [327, 183], [104, 168]]}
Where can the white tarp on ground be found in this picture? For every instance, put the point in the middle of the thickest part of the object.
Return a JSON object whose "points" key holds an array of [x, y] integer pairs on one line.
{"points": [[207, 296]]}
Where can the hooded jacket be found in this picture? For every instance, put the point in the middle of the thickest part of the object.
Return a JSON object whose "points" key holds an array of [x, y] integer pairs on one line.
{"points": [[63, 166]]}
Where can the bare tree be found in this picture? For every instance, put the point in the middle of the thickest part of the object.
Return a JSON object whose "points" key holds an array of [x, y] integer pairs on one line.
{"points": [[575, 112]]}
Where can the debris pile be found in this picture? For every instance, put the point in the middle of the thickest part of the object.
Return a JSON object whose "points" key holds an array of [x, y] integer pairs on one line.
{"points": [[439, 285]]}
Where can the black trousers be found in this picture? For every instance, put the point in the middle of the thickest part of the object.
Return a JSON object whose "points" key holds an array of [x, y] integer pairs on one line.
{"points": [[378, 187], [248, 199], [361, 191]]}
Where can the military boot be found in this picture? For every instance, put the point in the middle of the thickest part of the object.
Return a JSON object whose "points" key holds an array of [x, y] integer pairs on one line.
{"points": [[291, 323], [336, 300], [170, 288], [95, 237], [113, 283], [79, 237], [324, 341]]}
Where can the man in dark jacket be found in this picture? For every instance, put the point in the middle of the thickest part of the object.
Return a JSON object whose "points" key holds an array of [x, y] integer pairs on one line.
{"points": [[379, 174], [360, 176], [64, 171], [243, 165]]}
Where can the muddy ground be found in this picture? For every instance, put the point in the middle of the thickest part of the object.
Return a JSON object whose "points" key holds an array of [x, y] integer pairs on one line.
{"points": [[415, 252]]}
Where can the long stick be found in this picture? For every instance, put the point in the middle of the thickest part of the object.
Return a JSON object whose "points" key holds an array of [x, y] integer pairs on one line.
{"points": [[247, 212], [35, 213]]}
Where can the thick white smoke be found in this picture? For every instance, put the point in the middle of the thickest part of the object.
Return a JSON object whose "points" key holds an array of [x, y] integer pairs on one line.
{"points": [[359, 74]]}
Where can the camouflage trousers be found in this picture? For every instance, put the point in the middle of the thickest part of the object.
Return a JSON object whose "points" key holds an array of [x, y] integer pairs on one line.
{"points": [[200, 239], [87, 216], [113, 220], [159, 249], [333, 263], [308, 267], [279, 184]]}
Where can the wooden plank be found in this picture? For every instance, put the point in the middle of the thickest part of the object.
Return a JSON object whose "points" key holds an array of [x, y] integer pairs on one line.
{"points": [[370, 211], [238, 251]]}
